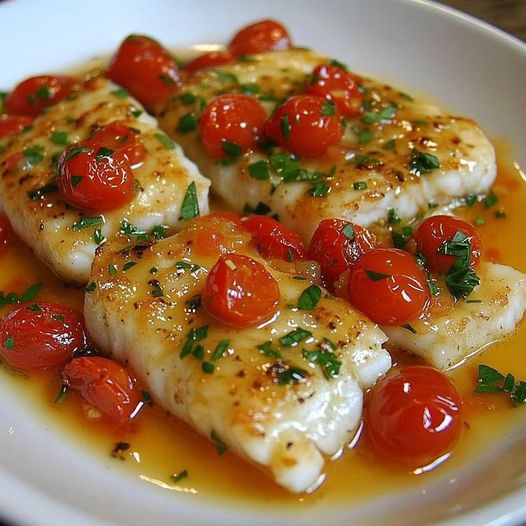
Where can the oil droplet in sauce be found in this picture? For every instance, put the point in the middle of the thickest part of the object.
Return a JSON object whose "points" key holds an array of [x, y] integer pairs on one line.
{"points": [[161, 446]]}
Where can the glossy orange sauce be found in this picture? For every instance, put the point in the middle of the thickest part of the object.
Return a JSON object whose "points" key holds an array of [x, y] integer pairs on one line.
{"points": [[160, 445]]}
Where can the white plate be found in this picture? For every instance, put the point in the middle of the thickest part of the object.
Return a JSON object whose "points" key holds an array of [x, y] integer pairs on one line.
{"points": [[464, 64]]}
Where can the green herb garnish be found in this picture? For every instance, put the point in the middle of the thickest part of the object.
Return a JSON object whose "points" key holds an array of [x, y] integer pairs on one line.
{"points": [[190, 205], [309, 298]]}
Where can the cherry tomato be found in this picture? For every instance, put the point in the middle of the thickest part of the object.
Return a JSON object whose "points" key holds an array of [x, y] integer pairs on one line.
{"points": [[336, 245], [34, 94], [42, 334], [231, 121], [12, 124], [305, 125], [434, 231], [106, 385], [145, 69], [240, 292], [93, 179], [119, 137], [209, 60], [388, 286], [274, 240], [5, 233], [265, 35], [414, 417], [337, 85]]}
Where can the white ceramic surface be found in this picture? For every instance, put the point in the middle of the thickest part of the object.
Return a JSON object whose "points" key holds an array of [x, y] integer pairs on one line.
{"points": [[423, 48]]}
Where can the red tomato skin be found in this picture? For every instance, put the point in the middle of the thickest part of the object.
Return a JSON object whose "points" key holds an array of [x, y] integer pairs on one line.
{"points": [[310, 132], [414, 417], [274, 240], [34, 94], [262, 36], [106, 184], [145, 69], [431, 234], [235, 118], [395, 300], [41, 337], [106, 385], [337, 85], [13, 124], [119, 137], [334, 251], [240, 292], [5, 233], [209, 60]]}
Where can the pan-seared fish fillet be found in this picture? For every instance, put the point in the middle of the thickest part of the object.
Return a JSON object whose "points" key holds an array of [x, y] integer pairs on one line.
{"points": [[447, 340], [44, 221], [376, 150], [143, 316]]}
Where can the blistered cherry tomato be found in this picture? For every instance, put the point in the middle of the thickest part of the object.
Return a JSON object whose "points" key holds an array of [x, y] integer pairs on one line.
{"points": [[105, 384], [145, 69], [274, 240], [414, 417], [306, 125], [336, 245], [231, 124], [337, 85], [388, 286], [434, 231], [119, 137], [93, 179], [34, 94], [265, 35], [41, 335], [5, 233], [12, 124], [209, 60], [239, 291]]}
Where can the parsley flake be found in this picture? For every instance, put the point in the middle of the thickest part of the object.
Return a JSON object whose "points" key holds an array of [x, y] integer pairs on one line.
{"points": [[422, 162], [309, 298], [259, 170], [187, 123], [87, 222], [376, 276], [295, 337], [190, 205], [221, 447], [165, 141]]}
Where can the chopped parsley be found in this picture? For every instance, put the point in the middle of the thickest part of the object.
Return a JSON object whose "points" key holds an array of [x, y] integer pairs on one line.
{"points": [[348, 231], [195, 335], [129, 230], [232, 149], [325, 358], [261, 209], [328, 109], [285, 126], [159, 232], [385, 114], [104, 152], [190, 206], [359, 185], [185, 265], [268, 349], [75, 180], [207, 367], [410, 328], [422, 162], [295, 337], [224, 77], [490, 200], [309, 298], [288, 375], [176, 477], [220, 350], [61, 394], [187, 123], [364, 161], [129, 265], [120, 93], [392, 217], [470, 199], [401, 238], [492, 381], [461, 279], [376, 276], [87, 222], [112, 269], [157, 291], [221, 447], [9, 343], [90, 287], [259, 170], [500, 214], [33, 154], [59, 137], [76, 150], [319, 189], [389, 145], [165, 141], [187, 98]]}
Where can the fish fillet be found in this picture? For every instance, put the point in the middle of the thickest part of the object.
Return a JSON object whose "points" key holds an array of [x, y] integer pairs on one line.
{"points": [[285, 428], [45, 222], [376, 149], [492, 311]]}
